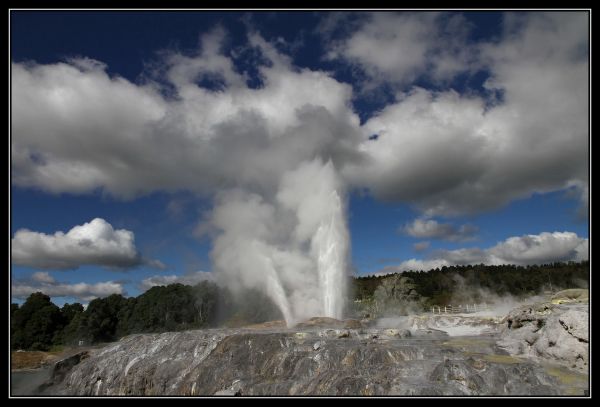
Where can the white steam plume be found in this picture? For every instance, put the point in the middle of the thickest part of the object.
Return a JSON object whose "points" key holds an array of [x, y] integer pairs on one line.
{"points": [[293, 247]]}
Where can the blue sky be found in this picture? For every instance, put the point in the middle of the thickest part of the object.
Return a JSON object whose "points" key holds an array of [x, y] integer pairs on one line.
{"points": [[158, 122]]}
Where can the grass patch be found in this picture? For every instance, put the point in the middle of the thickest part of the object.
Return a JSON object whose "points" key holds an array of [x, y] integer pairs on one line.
{"points": [[31, 359]]}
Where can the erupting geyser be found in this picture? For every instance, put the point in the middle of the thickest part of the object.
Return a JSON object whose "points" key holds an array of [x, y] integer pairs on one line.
{"points": [[331, 245], [293, 244]]}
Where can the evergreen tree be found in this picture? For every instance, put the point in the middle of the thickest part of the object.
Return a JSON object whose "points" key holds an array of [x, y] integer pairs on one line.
{"points": [[35, 323]]}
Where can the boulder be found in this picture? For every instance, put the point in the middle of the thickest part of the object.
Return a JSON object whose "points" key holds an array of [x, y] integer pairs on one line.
{"points": [[558, 333]]}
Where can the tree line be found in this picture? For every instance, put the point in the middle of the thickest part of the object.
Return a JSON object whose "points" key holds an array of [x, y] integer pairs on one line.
{"points": [[474, 282], [38, 324]]}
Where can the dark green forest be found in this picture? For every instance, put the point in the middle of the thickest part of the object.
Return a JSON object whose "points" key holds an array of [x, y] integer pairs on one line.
{"points": [[441, 286], [38, 324]]}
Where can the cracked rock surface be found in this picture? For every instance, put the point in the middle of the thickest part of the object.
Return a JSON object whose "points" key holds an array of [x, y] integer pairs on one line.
{"points": [[317, 361]]}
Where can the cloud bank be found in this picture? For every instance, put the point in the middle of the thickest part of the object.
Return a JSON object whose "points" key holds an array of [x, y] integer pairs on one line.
{"points": [[187, 279], [421, 246], [44, 282], [520, 250], [431, 229], [445, 152]]}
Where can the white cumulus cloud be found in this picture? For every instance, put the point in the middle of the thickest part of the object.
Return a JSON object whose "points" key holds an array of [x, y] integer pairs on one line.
{"points": [[43, 277], [93, 243], [450, 153], [543, 248], [401, 47], [102, 131]]}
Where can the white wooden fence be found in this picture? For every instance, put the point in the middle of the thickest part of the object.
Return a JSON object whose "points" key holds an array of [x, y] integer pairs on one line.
{"points": [[459, 309]]}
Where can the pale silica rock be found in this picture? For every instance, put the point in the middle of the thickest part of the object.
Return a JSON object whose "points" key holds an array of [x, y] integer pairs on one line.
{"points": [[556, 331], [307, 361]]}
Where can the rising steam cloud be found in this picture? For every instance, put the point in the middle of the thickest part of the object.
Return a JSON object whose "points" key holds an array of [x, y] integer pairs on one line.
{"points": [[293, 246]]}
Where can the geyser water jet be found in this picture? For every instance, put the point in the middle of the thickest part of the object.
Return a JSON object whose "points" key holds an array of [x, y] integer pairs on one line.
{"points": [[276, 291], [331, 244], [292, 245]]}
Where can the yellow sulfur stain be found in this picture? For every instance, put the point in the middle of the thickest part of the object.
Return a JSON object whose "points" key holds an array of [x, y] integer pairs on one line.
{"points": [[506, 359], [574, 382]]}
